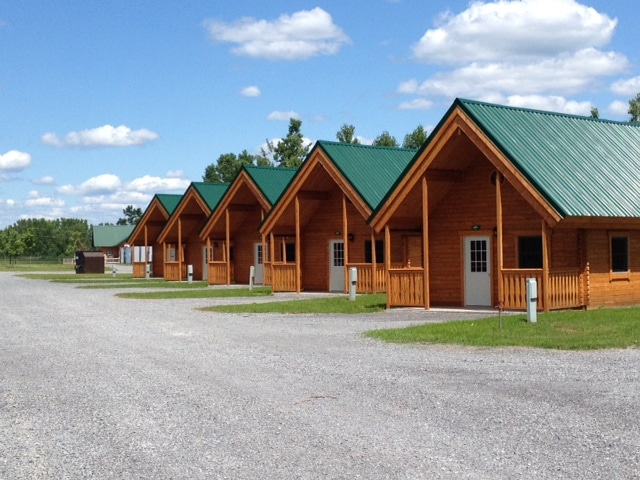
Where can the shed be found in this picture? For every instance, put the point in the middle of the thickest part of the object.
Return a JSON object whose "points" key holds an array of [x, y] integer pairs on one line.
{"points": [[89, 262]]}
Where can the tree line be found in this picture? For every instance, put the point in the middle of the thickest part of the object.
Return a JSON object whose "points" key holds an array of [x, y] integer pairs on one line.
{"points": [[41, 238], [290, 151]]}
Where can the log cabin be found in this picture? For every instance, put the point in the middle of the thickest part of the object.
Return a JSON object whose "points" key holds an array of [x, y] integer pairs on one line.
{"points": [[231, 231], [499, 194], [146, 234], [318, 228], [179, 238]]}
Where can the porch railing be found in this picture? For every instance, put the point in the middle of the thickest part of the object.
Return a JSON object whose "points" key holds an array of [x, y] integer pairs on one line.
{"points": [[564, 286], [217, 273], [172, 271], [139, 269], [366, 281], [406, 287], [565, 289], [283, 277]]}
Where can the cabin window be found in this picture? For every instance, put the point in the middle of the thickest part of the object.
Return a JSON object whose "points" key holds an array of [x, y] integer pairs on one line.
{"points": [[368, 256], [619, 254], [290, 252], [530, 252]]}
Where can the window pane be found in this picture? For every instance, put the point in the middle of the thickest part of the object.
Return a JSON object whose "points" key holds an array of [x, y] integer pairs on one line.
{"points": [[619, 254], [530, 252]]}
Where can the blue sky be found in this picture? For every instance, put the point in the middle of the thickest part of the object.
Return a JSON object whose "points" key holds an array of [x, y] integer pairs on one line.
{"points": [[105, 103]]}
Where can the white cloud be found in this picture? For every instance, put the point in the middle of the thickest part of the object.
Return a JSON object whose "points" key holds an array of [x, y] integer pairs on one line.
{"points": [[571, 74], [105, 136], [175, 174], [148, 183], [47, 180], [629, 87], [516, 49], [279, 116], [618, 108], [503, 30], [251, 91], [550, 103], [416, 104], [44, 202], [14, 161], [299, 36], [105, 183]]}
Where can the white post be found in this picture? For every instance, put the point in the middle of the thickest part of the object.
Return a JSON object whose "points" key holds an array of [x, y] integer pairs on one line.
{"points": [[147, 273], [252, 275], [189, 273], [532, 300], [353, 281]]}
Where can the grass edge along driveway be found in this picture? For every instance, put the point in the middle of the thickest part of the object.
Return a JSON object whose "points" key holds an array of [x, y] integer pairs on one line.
{"points": [[563, 330]]}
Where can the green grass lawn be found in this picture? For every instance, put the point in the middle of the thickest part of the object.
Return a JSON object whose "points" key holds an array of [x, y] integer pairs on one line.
{"points": [[326, 305], [35, 267], [85, 278], [199, 293], [566, 330]]}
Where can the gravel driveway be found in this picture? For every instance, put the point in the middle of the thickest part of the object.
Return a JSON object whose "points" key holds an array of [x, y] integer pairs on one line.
{"points": [[92, 386]]}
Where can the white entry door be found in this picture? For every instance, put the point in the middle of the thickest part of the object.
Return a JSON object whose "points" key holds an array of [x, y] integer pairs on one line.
{"points": [[205, 263], [258, 263], [336, 265], [477, 271]]}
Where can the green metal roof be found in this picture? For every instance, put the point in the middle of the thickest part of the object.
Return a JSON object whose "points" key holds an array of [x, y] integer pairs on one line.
{"points": [[271, 181], [582, 166], [211, 193], [169, 201], [371, 171], [111, 235]]}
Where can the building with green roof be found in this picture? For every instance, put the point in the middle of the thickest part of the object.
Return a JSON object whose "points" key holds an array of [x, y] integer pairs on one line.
{"points": [[143, 239], [231, 231], [181, 244], [317, 229], [498, 195], [112, 240]]}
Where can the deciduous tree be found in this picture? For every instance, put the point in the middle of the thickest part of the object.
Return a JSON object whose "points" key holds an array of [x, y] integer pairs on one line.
{"points": [[385, 139], [415, 139]]}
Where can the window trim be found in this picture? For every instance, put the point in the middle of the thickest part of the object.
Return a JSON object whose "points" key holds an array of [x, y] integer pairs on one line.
{"points": [[619, 275]]}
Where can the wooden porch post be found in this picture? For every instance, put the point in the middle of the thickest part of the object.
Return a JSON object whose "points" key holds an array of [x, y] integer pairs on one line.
{"points": [[345, 240], [499, 247], [165, 255], [298, 270], [179, 249], [374, 273], [146, 248], [545, 266], [209, 259], [272, 250], [263, 239], [387, 261], [228, 246], [425, 242]]}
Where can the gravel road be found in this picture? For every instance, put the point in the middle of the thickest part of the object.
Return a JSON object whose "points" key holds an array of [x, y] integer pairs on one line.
{"points": [[92, 386]]}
